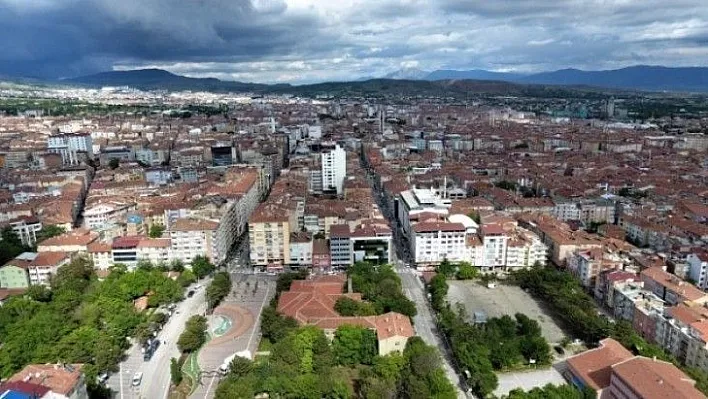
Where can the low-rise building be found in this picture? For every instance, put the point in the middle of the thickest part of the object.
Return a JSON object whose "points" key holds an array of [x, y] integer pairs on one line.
{"points": [[51, 381]]}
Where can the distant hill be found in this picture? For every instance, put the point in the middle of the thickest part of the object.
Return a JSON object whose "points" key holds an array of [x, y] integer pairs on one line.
{"points": [[477, 74], [155, 79], [408, 74], [641, 77]]}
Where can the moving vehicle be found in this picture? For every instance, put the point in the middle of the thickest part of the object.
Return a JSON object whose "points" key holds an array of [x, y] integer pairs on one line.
{"points": [[102, 378], [150, 349], [137, 378], [224, 368]]}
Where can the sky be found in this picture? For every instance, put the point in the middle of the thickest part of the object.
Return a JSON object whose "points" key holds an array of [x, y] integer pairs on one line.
{"points": [[303, 41]]}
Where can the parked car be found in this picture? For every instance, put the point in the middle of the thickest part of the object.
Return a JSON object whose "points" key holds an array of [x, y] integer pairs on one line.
{"points": [[137, 378]]}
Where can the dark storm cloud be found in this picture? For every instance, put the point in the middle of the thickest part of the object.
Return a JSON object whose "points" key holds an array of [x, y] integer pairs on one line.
{"points": [[310, 40], [70, 37]]}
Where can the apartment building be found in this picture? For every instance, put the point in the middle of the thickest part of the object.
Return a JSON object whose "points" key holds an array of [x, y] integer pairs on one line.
{"points": [[300, 249], [334, 167], [73, 148], [414, 204], [45, 265], [269, 235], [73, 241], [561, 241], [698, 268], [26, 229], [102, 214], [193, 237], [611, 371]]}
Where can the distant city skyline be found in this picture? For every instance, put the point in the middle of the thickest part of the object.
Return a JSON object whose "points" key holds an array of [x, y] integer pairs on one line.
{"points": [[302, 41]]}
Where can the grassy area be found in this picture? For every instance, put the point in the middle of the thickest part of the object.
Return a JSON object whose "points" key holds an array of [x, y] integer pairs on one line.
{"points": [[191, 370]]}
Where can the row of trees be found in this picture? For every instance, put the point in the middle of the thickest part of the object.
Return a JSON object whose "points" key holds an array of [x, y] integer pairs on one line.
{"points": [[218, 289], [462, 270], [81, 320], [305, 365], [381, 286], [564, 294], [551, 391], [194, 334]]}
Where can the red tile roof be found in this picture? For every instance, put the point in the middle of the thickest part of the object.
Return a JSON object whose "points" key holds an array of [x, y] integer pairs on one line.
{"points": [[594, 366], [655, 379]]}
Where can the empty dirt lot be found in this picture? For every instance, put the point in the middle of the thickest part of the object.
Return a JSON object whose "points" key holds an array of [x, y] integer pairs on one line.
{"points": [[502, 300]]}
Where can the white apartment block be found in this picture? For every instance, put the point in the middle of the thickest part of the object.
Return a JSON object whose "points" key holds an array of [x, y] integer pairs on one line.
{"points": [[45, 265], [102, 214], [194, 237], [698, 268], [70, 145], [413, 204], [334, 168], [434, 236], [300, 250], [26, 229], [435, 241]]}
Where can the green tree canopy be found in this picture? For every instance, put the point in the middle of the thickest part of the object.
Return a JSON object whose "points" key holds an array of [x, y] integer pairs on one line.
{"points": [[156, 230], [201, 266]]}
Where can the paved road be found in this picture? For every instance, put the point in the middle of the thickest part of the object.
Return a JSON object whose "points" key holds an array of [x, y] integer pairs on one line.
{"points": [[424, 322], [156, 372]]}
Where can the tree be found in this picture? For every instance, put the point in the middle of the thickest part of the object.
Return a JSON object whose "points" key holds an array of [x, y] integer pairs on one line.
{"points": [[274, 326], [466, 271], [156, 230], [389, 367], [186, 278], [177, 265], [354, 345], [240, 367], [39, 293], [446, 268], [201, 266], [10, 246], [144, 264], [114, 163], [175, 371], [194, 334], [349, 307], [218, 289]]}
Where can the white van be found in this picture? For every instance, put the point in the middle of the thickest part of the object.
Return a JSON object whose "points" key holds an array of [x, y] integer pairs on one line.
{"points": [[137, 378]]}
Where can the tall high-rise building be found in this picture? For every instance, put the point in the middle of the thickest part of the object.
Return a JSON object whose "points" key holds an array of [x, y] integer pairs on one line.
{"points": [[334, 167]]}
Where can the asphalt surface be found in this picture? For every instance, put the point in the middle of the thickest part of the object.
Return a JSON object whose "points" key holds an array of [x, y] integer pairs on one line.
{"points": [[424, 323], [155, 383]]}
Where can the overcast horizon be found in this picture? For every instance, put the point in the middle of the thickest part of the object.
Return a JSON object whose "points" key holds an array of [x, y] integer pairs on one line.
{"points": [[302, 41]]}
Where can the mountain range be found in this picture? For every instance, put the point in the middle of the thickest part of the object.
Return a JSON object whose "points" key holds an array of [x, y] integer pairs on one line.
{"points": [[640, 77], [644, 78]]}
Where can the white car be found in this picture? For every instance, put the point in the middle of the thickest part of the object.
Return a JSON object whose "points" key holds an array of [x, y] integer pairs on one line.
{"points": [[137, 378]]}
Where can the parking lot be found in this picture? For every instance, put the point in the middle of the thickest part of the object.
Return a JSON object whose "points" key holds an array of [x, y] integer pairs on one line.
{"points": [[503, 300], [528, 380]]}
